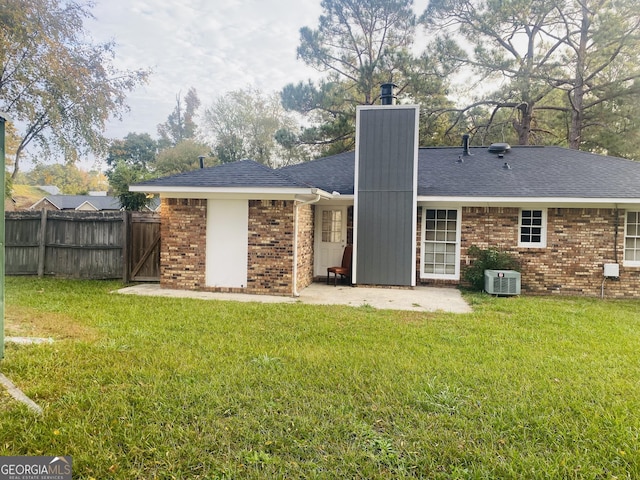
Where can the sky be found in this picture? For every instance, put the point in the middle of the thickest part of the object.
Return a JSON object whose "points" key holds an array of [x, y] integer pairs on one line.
{"points": [[215, 46]]}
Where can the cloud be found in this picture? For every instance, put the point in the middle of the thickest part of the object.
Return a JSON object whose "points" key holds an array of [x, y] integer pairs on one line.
{"points": [[215, 47]]}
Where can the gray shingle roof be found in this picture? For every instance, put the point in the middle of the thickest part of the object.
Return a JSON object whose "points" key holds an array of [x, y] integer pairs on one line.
{"points": [[334, 173], [536, 172], [71, 202], [244, 173]]}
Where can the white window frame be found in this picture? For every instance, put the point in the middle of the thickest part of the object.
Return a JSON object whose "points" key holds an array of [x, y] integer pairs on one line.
{"points": [[543, 230], [423, 242], [636, 237]]}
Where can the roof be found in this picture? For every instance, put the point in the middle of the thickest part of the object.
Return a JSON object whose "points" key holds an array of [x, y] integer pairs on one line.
{"points": [[522, 172], [73, 202], [244, 173], [554, 172]]}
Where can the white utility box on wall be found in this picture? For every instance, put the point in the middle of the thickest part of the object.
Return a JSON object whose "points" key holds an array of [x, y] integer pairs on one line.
{"points": [[611, 270]]}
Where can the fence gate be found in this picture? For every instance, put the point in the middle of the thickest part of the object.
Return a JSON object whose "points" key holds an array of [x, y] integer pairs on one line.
{"points": [[144, 247]]}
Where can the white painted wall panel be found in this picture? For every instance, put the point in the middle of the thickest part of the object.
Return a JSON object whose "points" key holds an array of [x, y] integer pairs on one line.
{"points": [[227, 243]]}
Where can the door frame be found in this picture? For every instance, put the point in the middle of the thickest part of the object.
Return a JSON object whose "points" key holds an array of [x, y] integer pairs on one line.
{"points": [[320, 270]]}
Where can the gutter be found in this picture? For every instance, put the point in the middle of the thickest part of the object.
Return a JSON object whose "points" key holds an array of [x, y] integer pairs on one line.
{"points": [[299, 204]]}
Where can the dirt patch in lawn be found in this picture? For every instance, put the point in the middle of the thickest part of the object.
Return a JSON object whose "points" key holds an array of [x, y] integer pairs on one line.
{"points": [[28, 322]]}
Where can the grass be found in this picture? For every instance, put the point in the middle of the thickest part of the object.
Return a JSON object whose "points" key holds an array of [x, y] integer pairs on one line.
{"points": [[140, 387]]}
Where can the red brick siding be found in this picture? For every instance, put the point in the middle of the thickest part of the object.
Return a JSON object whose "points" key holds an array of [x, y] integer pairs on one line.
{"points": [[182, 255], [271, 225], [579, 242], [305, 234], [270, 246]]}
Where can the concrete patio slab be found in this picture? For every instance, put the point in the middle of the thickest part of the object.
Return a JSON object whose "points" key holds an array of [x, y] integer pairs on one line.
{"points": [[419, 299]]}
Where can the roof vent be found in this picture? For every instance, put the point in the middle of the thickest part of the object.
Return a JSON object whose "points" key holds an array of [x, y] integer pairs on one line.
{"points": [[387, 94], [499, 148], [506, 166], [465, 145]]}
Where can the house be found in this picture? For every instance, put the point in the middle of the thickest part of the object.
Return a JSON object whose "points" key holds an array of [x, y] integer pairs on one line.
{"points": [[411, 214], [89, 203]]}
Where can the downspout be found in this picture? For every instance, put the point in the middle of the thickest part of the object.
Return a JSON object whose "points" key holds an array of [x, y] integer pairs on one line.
{"points": [[616, 226], [295, 239]]}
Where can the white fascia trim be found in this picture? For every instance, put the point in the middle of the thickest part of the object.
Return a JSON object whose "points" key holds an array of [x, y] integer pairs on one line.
{"points": [[549, 201], [239, 192]]}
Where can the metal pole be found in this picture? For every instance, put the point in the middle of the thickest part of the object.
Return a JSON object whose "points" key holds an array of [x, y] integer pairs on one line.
{"points": [[2, 180]]}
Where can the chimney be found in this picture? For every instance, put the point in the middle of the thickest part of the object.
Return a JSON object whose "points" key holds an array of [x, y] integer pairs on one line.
{"points": [[465, 145], [387, 94]]}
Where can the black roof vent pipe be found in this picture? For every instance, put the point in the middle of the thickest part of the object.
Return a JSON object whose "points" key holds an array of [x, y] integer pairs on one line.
{"points": [[466, 150], [201, 158], [387, 94]]}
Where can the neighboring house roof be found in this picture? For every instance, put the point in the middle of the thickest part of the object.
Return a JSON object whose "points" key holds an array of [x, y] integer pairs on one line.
{"points": [[50, 189], [522, 172], [80, 202]]}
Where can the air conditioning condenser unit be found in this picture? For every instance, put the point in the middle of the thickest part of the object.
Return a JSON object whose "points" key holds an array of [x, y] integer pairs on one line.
{"points": [[502, 282]]}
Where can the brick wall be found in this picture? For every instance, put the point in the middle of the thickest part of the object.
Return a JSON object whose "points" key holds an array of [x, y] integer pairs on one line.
{"points": [[182, 255], [271, 224], [270, 246], [305, 246], [579, 242]]}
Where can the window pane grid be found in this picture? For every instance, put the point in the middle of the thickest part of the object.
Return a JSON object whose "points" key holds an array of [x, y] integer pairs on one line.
{"points": [[440, 242], [531, 227], [632, 238], [332, 226]]}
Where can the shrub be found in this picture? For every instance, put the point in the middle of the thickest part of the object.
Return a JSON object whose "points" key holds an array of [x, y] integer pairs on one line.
{"points": [[487, 259]]}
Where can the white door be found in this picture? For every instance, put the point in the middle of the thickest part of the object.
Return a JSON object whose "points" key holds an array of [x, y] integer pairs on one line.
{"points": [[331, 237], [227, 243]]}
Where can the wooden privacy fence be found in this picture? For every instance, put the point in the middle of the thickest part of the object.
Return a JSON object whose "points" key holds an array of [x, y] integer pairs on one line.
{"points": [[91, 245]]}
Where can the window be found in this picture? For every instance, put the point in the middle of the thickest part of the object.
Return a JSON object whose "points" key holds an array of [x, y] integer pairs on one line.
{"points": [[441, 244], [332, 226], [632, 239], [533, 228]]}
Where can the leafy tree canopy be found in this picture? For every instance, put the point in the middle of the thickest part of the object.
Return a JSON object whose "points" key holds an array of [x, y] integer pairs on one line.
{"points": [[360, 45], [185, 156], [180, 124], [58, 86], [130, 161], [245, 124], [70, 179], [550, 71]]}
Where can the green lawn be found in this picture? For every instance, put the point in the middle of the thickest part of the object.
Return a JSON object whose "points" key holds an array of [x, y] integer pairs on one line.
{"points": [[140, 387]]}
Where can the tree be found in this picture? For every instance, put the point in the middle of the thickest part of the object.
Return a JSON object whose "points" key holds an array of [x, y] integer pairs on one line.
{"points": [[182, 158], [603, 40], [507, 39], [69, 178], [130, 161], [359, 45], [244, 124], [180, 124], [58, 87], [529, 51]]}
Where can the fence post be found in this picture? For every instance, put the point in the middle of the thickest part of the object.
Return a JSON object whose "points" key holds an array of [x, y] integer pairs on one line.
{"points": [[42, 245], [126, 241], [3, 118]]}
